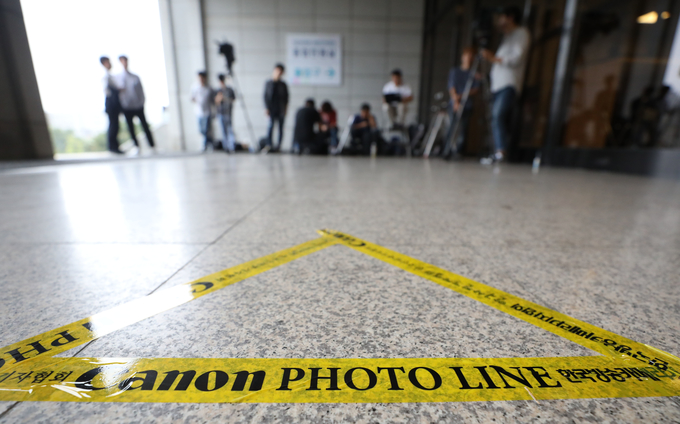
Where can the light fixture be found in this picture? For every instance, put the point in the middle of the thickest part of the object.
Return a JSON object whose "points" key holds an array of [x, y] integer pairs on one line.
{"points": [[648, 18], [665, 15]]}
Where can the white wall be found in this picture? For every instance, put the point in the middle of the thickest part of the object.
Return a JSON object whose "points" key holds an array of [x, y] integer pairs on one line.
{"points": [[184, 56], [378, 35]]}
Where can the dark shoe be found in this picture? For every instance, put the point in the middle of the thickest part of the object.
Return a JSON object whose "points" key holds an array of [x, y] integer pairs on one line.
{"points": [[455, 157]]}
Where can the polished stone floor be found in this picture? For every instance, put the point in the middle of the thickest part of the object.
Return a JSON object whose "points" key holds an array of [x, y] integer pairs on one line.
{"points": [[76, 239]]}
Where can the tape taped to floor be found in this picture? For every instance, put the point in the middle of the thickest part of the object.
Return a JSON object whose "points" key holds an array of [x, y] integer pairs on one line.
{"points": [[333, 380], [28, 370], [85, 330], [587, 335]]}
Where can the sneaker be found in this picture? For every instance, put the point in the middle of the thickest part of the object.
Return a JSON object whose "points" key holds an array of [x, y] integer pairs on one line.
{"points": [[134, 151], [490, 160]]}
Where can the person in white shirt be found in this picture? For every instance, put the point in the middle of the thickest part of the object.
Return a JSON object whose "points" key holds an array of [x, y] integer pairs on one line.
{"points": [[203, 97], [396, 97], [111, 105], [507, 76], [132, 101]]}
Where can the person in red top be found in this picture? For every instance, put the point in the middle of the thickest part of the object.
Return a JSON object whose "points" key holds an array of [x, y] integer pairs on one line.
{"points": [[329, 122]]}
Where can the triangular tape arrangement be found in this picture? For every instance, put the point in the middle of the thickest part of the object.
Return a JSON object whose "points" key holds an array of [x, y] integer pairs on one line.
{"points": [[29, 371]]}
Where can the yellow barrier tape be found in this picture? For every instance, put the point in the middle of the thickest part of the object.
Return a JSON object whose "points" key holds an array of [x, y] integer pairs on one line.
{"points": [[629, 369], [590, 336], [333, 380], [77, 333]]}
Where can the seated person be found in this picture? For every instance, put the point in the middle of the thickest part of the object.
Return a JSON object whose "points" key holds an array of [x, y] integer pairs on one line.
{"points": [[364, 128], [329, 123], [396, 96], [305, 135]]}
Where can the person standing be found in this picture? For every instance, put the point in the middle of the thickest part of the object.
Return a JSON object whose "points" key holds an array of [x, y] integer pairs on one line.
{"points": [[507, 76], [276, 104], [203, 97], [224, 100], [132, 101], [458, 79], [396, 97], [111, 105]]}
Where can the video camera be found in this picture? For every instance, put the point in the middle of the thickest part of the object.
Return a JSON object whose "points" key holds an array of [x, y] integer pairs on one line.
{"points": [[482, 27], [227, 50]]}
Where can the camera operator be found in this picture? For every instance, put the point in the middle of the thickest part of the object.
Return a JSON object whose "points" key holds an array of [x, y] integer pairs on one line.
{"points": [[507, 75]]}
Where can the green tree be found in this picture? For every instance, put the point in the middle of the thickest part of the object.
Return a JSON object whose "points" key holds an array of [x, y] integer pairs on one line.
{"points": [[65, 141], [59, 139]]}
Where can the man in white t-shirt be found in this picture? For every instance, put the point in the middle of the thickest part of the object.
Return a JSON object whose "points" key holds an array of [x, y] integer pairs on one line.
{"points": [[507, 76], [203, 97], [396, 96]]}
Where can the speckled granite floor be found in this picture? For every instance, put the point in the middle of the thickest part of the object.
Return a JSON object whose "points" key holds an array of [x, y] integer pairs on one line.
{"points": [[77, 239]]}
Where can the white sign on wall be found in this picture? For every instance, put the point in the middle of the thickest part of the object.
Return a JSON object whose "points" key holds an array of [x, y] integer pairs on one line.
{"points": [[314, 59]]}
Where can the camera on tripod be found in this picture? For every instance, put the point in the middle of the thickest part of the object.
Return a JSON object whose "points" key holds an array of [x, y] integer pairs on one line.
{"points": [[482, 28], [227, 50]]}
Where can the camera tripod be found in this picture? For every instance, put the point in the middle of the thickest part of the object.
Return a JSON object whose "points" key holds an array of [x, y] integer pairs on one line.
{"points": [[227, 50], [439, 120]]}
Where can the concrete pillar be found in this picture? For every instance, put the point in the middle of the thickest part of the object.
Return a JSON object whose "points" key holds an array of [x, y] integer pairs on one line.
{"points": [[183, 43], [23, 126]]}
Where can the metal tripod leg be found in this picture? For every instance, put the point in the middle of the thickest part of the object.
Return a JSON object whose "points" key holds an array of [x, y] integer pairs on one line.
{"points": [[432, 133], [488, 98], [345, 136], [239, 95]]}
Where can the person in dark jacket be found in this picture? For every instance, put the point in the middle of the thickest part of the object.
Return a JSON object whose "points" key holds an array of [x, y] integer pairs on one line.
{"points": [[305, 135], [276, 104], [364, 129], [111, 105]]}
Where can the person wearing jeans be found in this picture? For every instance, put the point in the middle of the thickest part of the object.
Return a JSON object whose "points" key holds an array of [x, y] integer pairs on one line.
{"points": [[203, 97], [276, 119], [458, 79], [507, 77], [224, 100], [204, 126], [276, 104], [501, 112]]}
